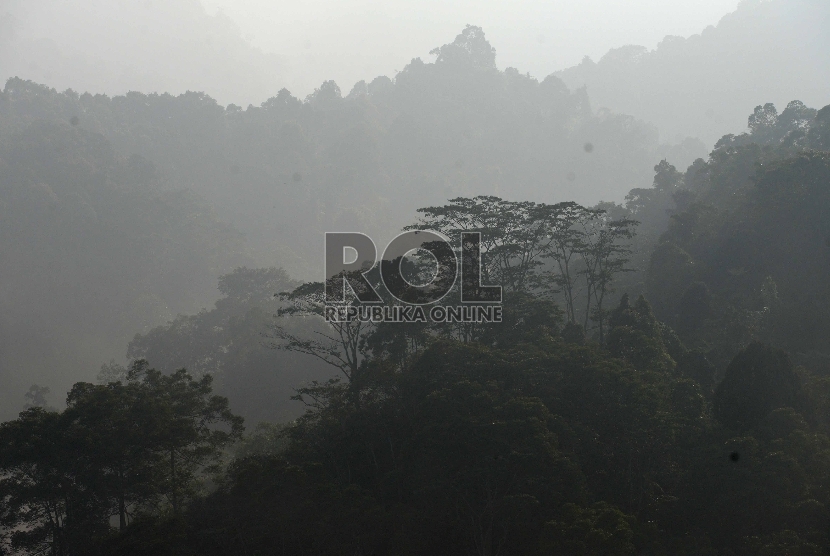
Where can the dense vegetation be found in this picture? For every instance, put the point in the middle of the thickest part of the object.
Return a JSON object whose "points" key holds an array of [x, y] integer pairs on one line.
{"points": [[697, 85], [294, 168], [94, 248], [687, 414], [118, 214]]}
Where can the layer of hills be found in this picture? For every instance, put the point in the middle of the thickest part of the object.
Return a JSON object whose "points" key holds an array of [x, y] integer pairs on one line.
{"points": [[696, 423], [124, 211], [700, 86]]}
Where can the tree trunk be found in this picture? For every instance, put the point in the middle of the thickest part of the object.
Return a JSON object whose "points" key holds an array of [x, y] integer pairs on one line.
{"points": [[122, 513], [173, 486], [122, 506]]}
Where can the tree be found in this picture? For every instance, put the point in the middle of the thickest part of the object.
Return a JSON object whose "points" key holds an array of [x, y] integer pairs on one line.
{"points": [[36, 397], [762, 122], [694, 307], [326, 97], [636, 336], [228, 342], [599, 530], [654, 206], [109, 429], [187, 424], [605, 255], [338, 344], [469, 49], [759, 379], [513, 235], [118, 449], [43, 506], [819, 134], [564, 225]]}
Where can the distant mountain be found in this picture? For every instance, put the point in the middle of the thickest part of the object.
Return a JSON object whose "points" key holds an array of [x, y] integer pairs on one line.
{"points": [[766, 51], [94, 247], [99, 241], [289, 170], [136, 45]]}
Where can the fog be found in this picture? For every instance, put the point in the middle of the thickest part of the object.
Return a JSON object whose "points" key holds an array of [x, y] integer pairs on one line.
{"points": [[243, 52], [350, 41], [149, 46], [612, 334], [763, 52], [173, 46], [671, 97]]}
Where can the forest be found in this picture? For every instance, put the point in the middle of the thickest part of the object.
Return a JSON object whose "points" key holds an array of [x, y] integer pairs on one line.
{"points": [[659, 384]]}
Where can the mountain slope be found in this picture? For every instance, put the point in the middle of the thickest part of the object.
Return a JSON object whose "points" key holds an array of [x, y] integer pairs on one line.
{"points": [[137, 45], [766, 51]]}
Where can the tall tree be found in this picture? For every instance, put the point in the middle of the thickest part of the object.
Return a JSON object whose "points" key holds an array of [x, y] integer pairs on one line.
{"points": [[188, 424], [107, 428], [564, 226], [759, 379], [338, 344], [605, 254]]}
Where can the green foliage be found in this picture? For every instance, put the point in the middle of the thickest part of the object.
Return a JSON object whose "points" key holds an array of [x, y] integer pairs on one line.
{"points": [[184, 426], [599, 530], [519, 438], [637, 337], [293, 168], [745, 258], [573, 333], [470, 49], [94, 186], [123, 449], [95, 246], [819, 135], [48, 505], [467, 449], [531, 249], [230, 343], [758, 380]]}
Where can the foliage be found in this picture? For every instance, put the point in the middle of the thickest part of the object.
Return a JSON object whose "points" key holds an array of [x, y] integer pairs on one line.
{"points": [[759, 380], [124, 449], [744, 255], [583, 423], [230, 342]]}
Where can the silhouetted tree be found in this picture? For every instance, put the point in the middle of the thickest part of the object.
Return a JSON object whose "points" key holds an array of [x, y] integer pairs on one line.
{"points": [[759, 379]]}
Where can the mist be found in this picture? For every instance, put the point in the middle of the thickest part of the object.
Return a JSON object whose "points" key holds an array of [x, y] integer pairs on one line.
{"points": [[360, 40], [587, 312]]}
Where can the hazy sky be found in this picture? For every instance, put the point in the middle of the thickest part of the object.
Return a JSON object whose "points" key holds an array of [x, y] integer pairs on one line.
{"points": [[360, 39]]}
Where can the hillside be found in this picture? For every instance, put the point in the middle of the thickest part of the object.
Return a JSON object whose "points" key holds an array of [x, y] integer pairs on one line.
{"points": [[701, 86]]}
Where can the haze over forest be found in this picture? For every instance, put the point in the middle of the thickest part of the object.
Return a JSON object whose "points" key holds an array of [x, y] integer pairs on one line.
{"points": [[658, 218], [710, 58]]}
